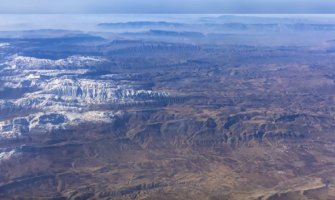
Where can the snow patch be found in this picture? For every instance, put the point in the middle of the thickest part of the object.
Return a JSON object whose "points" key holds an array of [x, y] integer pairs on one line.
{"points": [[7, 155], [24, 62], [3, 45]]}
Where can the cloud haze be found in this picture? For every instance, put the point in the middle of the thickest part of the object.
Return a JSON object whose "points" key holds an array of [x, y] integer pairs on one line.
{"points": [[168, 6]]}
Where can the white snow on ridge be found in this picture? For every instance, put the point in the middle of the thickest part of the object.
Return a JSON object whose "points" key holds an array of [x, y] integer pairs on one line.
{"points": [[89, 90], [7, 155], [2, 45], [62, 95], [24, 62], [42, 122], [91, 116]]}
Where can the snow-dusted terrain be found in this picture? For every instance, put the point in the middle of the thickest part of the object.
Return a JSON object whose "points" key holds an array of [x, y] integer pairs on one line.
{"points": [[2, 45], [56, 94], [24, 62]]}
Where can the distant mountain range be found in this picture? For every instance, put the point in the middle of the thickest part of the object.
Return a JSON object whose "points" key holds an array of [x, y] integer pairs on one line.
{"points": [[225, 24], [140, 24], [165, 33]]}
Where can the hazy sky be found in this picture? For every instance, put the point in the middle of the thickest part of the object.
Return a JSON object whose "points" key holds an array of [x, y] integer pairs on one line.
{"points": [[168, 6]]}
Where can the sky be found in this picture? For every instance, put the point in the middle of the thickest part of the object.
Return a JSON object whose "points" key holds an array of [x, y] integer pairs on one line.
{"points": [[170, 6]]}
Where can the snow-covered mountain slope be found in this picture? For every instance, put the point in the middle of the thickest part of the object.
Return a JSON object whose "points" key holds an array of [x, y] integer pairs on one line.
{"points": [[54, 94], [2, 45], [23, 62]]}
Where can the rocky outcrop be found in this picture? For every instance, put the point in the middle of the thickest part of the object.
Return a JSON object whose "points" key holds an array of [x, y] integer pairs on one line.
{"points": [[53, 119], [14, 128], [231, 120], [21, 126]]}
